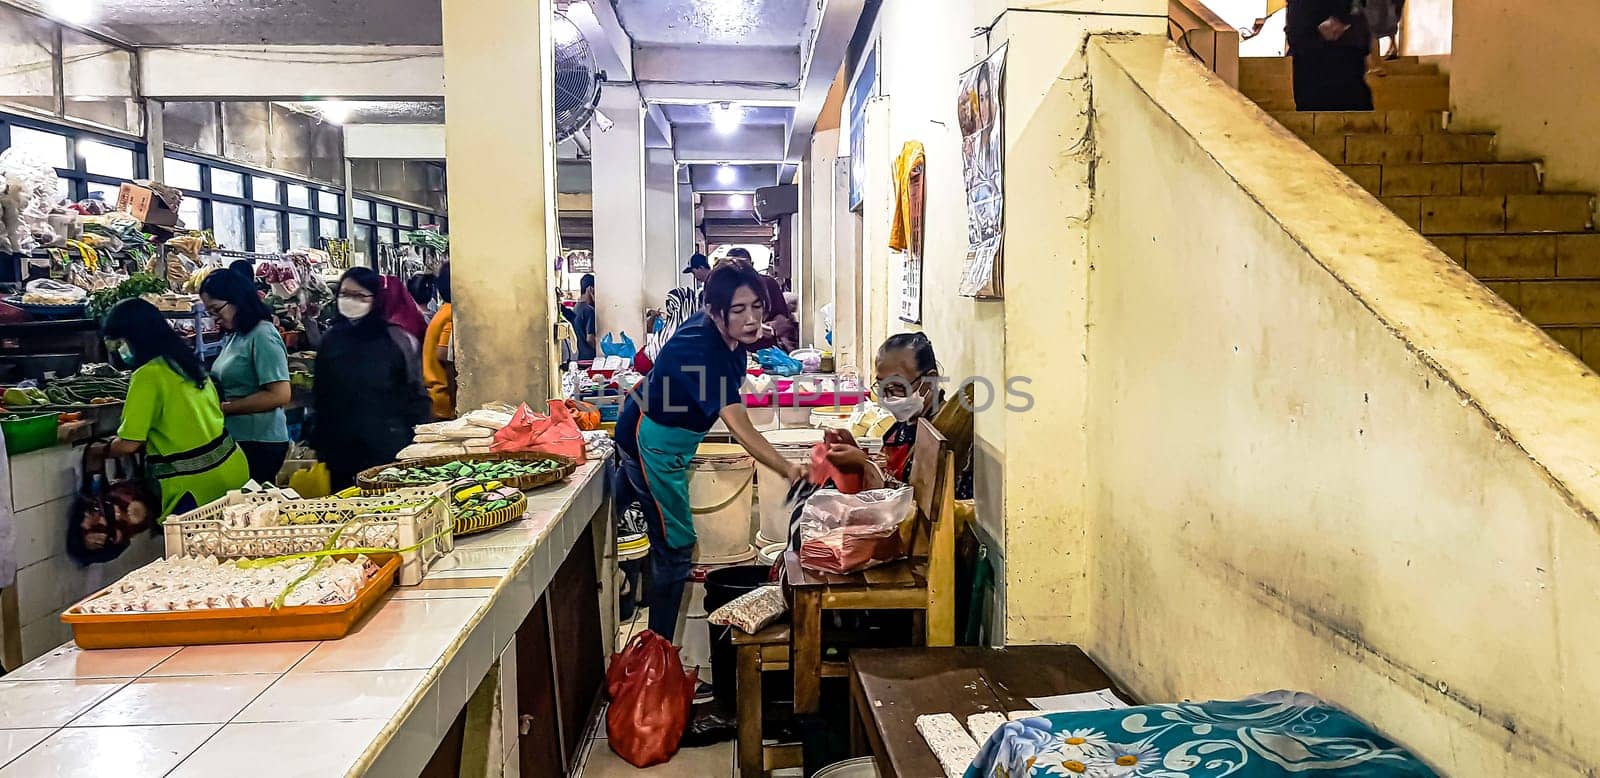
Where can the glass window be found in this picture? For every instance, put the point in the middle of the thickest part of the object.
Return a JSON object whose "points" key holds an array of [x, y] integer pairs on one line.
{"points": [[27, 47], [98, 82], [300, 236], [363, 238], [299, 196], [328, 202], [328, 228], [106, 160], [227, 183], [363, 209], [269, 232], [64, 188], [47, 147], [189, 212], [408, 217], [390, 236], [227, 222], [181, 174], [104, 192], [385, 214], [264, 190]]}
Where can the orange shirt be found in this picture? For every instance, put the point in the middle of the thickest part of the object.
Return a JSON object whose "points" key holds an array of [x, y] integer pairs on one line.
{"points": [[437, 376]]}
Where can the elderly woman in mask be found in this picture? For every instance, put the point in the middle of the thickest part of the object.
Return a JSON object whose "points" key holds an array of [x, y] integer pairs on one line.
{"points": [[369, 393], [906, 387]]}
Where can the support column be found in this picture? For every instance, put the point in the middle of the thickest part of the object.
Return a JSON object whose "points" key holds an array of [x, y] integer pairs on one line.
{"points": [[817, 268], [617, 165], [847, 280], [500, 152], [155, 141], [686, 242], [662, 262]]}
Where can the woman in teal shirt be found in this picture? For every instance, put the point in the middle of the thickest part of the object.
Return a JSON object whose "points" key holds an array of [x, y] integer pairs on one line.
{"points": [[251, 371]]}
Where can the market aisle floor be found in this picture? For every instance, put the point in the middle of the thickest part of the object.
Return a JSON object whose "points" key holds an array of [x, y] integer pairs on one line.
{"points": [[600, 762]]}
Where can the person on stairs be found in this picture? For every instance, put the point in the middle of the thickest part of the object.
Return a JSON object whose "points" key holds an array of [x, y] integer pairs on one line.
{"points": [[1329, 41]]}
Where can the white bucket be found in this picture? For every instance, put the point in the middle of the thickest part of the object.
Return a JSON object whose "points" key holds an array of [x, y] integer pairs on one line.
{"points": [[795, 446], [695, 632], [863, 767], [768, 555], [720, 479], [832, 417]]}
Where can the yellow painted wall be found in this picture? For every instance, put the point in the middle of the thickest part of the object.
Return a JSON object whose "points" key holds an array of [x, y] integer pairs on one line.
{"points": [[1428, 26], [1323, 457], [1524, 71]]}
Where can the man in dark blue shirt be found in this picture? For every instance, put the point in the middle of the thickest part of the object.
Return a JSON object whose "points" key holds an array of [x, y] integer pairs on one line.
{"points": [[583, 317], [695, 381]]}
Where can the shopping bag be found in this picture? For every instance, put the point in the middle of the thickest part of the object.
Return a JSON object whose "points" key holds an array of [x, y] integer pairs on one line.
{"points": [[611, 348], [554, 434], [774, 360], [846, 533], [113, 505], [312, 483], [651, 695], [586, 414]]}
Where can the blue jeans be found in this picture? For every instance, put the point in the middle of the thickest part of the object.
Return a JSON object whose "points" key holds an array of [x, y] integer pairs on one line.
{"points": [[669, 567]]}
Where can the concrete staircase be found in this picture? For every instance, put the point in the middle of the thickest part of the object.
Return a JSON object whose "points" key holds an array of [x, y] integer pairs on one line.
{"points": [[1538, 250]]}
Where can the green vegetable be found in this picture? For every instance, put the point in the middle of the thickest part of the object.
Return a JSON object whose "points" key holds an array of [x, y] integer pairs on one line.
{"points": [[136, 285]]}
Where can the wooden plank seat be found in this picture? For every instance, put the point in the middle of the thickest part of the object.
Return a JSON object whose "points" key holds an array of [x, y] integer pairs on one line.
{"points": [[764, 651]]}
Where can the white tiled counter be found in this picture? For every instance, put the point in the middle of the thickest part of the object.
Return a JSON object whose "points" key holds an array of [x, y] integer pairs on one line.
{"points": [[378, 702]]}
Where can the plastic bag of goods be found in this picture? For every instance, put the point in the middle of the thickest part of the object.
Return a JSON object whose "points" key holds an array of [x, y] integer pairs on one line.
{"points": [[846, 533], [651, 695]]}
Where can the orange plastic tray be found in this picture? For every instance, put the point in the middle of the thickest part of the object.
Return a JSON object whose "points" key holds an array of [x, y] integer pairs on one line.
{"points": [[229, 625]]}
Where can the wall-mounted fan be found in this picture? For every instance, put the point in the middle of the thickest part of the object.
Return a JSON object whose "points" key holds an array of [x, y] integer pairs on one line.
{"points": [[577, 82]]}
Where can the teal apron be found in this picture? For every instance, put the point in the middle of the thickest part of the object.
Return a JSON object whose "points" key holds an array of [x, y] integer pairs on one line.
{"points": [[664, 455]]}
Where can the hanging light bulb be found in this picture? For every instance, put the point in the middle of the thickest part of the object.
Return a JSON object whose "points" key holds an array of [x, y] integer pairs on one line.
{"points": [[79, 12], [736, 202], [335, 111], [725, 117], [725, 175]]}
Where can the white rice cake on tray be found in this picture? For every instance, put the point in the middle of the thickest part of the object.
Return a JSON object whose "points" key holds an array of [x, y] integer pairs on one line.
{"points": [[983, 725], [949, 742]]}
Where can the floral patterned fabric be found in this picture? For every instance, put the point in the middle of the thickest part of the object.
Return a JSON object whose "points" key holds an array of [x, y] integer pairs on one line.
{"points": [[1274, 734]]}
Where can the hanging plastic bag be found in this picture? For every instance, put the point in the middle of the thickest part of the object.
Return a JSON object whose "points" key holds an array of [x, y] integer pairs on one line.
{"points": [[611, 348], [822, 472], [313, 482], [846, 533], [651, 695], [555, 434], [774, 360]]}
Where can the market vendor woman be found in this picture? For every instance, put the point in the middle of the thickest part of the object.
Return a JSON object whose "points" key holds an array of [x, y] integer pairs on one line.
{"points": [[695, 381], [172, 412]]}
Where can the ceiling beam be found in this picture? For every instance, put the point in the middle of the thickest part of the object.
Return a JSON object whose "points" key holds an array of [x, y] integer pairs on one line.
{"points": [[677, 93], [830, 43], [718, 65], [613, 49], [292, 72], [657, 130], [394, 141], [703, 143]]}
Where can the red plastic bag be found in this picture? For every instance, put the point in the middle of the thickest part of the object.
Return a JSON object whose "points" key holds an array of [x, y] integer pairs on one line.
{"points": [[651, 695], [554, 434], [823, 471]]}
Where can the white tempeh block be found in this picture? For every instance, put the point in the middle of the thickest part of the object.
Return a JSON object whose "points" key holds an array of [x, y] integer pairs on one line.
{"points": [[949, 742], [983, 725]]}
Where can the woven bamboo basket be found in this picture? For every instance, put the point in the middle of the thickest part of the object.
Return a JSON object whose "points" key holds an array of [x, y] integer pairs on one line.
{"points": [[368, 479], [484, 522]]}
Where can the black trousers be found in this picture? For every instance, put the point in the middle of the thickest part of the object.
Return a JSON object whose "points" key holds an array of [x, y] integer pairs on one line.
{"points": [[1331, 78], [265, 459]]}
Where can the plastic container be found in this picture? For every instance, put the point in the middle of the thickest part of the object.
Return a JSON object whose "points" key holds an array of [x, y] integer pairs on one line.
{"points": [[863, 767], [228, 625], [722, 586], [832, 416], [769, 553], [28, 433], [772, 487], [721, 476]]}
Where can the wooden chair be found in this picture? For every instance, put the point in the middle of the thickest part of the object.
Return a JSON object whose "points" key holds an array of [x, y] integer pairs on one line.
{"points": [[925, 582], [765, 651]]}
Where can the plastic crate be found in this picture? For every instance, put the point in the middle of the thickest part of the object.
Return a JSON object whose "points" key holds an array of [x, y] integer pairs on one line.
{"points": [[202, 532], [28, 433]]}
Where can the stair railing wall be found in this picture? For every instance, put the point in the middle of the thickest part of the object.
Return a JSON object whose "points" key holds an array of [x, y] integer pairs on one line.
{"points": [[1199, 31]]}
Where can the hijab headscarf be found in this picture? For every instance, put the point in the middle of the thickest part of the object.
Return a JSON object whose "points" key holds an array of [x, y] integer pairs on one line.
{"points": [[400, 309]]}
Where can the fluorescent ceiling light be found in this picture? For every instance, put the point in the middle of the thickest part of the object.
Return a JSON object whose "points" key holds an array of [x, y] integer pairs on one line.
{"points": [[335, 111], [736, 201], [725, 117], [725, 175], [79, 12]]}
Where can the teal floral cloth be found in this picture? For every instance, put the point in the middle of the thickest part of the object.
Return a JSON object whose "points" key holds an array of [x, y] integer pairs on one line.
{"points": [[1274, 734]]}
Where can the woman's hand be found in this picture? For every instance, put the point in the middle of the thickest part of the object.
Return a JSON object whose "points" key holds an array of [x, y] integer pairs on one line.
{"points": [[848, 458], [1332, 28], [798, 471]]}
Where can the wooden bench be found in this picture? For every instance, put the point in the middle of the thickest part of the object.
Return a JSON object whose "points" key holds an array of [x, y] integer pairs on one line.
{"points": [[765, 651]]}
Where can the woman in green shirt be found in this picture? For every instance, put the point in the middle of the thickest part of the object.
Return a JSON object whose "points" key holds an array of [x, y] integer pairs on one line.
{"points": [[251, 372], [172, 412]]}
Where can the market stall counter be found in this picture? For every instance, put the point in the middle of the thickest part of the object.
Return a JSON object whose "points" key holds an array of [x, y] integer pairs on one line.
{"points": [[506, 632]]}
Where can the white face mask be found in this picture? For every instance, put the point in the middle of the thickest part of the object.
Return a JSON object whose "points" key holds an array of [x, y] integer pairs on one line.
{"points": [[904, 408], [354, 310]]}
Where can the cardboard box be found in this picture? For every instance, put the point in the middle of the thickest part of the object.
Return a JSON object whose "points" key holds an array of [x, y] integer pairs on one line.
{"points": [[146, 206]]}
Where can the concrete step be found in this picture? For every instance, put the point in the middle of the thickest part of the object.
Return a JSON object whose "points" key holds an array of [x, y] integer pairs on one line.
{"points": [[1386, 149], [1491, 214], [1546, 256], [1308, 123], [1481, 178]]}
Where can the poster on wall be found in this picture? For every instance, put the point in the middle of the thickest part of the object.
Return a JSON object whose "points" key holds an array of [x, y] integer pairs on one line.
{"points": [[980, 113], [905, 235], [861, 90]]}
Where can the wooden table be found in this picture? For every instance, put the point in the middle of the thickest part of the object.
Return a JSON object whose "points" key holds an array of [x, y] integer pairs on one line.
{"points": [[890, 688]]}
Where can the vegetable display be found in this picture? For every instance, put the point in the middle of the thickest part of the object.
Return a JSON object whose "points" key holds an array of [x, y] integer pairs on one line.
{"points": [[472, 499], [87, 389], [137, 285], [486, 470]]}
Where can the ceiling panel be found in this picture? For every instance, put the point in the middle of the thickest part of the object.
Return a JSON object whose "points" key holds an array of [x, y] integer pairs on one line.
{"points": [[177, 22], [762, 23]]}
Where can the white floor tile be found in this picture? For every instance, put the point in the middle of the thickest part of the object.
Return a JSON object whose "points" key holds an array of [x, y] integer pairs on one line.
{"points": [[68, 662], [177, 700], [246, 659], [334, 696], [32, 704], [13, 742], [125, 752], [281, 750], [709, 762]]}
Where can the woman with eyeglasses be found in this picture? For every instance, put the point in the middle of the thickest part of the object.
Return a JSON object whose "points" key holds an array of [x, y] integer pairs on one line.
{"points": [[368, 394], [251, 372], [172, 413]]}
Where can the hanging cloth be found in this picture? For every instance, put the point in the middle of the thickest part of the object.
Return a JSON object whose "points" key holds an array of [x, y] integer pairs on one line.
{"points": [[906, 232]]}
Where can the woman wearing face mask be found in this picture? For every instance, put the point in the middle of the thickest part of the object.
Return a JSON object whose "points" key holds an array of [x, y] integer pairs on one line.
{"points": [[172, 412], [369, 393], [251, 372], [906, 387], [695, 381]]}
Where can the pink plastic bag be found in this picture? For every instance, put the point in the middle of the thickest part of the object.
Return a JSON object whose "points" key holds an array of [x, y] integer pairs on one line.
{"points": [[554, 434]]}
